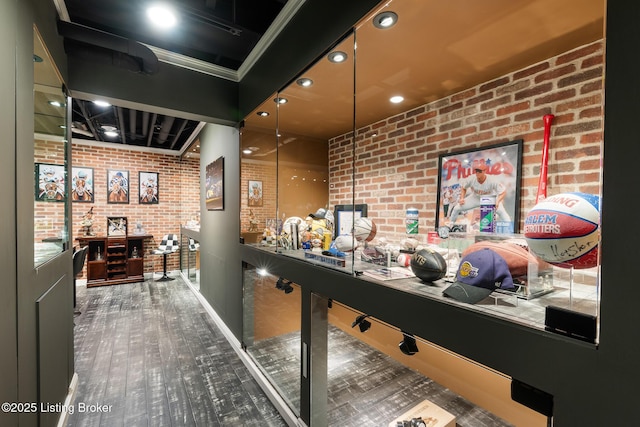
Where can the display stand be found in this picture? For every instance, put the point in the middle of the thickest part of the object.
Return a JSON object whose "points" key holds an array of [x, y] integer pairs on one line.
{"points": [[114, 260]]}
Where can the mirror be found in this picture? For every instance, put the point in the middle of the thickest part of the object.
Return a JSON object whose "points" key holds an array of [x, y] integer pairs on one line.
{"points": [[51, 205]]}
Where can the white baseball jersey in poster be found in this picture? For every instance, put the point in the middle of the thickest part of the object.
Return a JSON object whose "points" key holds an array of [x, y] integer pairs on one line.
{"points": [[466, 176], [473, 189]]}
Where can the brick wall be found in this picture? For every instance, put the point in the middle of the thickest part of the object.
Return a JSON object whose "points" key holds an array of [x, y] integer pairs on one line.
{"points": [[396, 159], [178, 201], [258, 171]]}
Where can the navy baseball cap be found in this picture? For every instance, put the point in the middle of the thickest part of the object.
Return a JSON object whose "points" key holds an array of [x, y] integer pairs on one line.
{"points": [[479, 274]]}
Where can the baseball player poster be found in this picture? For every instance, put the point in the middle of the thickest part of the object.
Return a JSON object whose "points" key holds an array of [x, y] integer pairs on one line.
{"points": [[486, 176]]}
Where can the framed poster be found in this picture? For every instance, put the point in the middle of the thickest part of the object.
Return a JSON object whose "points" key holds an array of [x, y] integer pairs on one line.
{"points": [[489, 173], [255, 193], [345, 215], [50, 183], [116, 226], [214, 185], [148, 188], [82, 184], [117, 186]]}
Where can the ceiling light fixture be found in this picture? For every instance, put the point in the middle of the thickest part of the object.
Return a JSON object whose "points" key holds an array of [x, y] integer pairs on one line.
{"points": [[101, 103], [385, 20], [304, 82], [55, 103], [396, 99], [262, 113], [161, 16], [280, 100], [337, 57], [111, 133], [247, 151]]}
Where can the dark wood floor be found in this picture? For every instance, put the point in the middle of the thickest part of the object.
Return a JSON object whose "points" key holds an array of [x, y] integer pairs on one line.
{"points": [[151, 352]]}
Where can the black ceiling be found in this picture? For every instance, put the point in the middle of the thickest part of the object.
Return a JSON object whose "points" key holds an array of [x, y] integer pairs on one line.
{"points": [[222, 33]]}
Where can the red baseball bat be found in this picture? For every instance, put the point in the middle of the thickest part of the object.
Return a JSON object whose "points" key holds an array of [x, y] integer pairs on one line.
{"points": [[542, 182]]}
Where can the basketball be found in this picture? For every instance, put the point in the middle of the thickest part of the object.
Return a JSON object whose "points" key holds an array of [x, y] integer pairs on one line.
{"points": [[403, 260], [428, 265], [564, 230], [364, 229]]}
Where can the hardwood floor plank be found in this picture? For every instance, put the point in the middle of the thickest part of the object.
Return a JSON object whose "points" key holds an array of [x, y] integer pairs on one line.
{"points": [[151, 351]]}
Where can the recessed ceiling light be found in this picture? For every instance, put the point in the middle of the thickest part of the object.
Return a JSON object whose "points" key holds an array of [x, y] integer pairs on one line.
{"points": [[247, 151], [111, 133], [161, 16], [304, 82], [337, 57], [385, 20], [262, 113], [280, 100], [101, 103], [396, 99]]}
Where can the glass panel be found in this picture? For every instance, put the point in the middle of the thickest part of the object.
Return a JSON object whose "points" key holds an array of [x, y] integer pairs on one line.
{"points": [[272, 316], [51, 203], [367, 358], [315, 108], [425, 122], [258, 143], [190, 256]]}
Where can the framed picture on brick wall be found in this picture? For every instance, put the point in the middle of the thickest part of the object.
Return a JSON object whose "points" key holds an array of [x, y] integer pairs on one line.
{"points": [[255, 193], [50, 183], [117, 186], [149, 188], [479, 189], [82, 184]]}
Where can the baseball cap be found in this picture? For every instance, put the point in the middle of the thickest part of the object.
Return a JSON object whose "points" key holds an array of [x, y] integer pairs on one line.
{"points": [[479, 274], [320, 214]]}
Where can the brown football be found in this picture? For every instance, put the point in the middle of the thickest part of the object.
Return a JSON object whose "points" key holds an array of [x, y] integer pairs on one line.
{"points": [[516, 256]]}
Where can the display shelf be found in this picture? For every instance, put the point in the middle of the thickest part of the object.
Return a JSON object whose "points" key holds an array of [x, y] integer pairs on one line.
{"points": [[575, 290], [113, 261]]}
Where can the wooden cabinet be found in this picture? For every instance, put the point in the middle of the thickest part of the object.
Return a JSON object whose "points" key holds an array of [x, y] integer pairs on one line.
{"points": [[114, 260]]}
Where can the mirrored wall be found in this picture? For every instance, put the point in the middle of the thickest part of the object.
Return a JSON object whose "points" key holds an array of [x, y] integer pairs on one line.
{"points": [[271, 332], [51, 177]]}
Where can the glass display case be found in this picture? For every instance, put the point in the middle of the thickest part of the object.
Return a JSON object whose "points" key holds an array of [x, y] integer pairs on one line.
{"points": [[190, 254], [412, 142]]}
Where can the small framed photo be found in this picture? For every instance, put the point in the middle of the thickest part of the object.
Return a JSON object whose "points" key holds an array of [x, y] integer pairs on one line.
{"points": [[255, 193], [82, 184], [50, 183], [214, 185], [117, 186], [345, 216], [149, 188], [116, 226]]}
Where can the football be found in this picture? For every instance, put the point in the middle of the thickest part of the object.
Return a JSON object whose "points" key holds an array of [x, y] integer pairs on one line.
{"points": [[345, 243], [428, 265]]}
